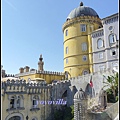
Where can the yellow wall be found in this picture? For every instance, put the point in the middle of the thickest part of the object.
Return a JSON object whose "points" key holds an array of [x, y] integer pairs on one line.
{"points": [[47, 77], [27, 104], [74, 40]]}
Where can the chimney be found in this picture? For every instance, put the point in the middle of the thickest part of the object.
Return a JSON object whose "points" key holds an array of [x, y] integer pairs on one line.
{"points": [[26, 69], [21, 70]]}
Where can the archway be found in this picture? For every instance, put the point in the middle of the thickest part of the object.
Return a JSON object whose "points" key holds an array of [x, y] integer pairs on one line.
{"points": [[89, 90], [64, 95], [15, 116]]}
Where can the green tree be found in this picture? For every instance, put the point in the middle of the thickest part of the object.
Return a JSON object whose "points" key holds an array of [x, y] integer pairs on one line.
{"points": [[67, 113], [112, 83]]}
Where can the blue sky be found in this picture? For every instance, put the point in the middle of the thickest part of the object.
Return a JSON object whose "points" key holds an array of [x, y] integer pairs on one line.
{"points": [[34, 27]]}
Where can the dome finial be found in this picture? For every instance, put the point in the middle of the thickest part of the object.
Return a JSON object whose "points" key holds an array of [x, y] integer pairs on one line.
{"points": [[81, 4]]}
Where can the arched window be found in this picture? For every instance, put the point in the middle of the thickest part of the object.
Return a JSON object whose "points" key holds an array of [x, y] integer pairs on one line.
{"points": [[35, 101], [100, 43], [66, 33], [112, 38], [12, 102], [84, 46]]}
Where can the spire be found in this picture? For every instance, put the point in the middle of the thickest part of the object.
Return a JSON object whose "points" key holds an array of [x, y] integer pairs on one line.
{"points": [[81, 4], [40, 63], [41, 58]]}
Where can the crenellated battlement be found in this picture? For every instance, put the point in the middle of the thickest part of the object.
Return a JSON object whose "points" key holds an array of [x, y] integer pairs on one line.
{"points": [[39, 72], [21, 86], [9, 75]]}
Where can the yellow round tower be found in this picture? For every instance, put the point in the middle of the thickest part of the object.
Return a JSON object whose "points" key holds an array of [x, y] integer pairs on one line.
{"points": [[77, 40]]}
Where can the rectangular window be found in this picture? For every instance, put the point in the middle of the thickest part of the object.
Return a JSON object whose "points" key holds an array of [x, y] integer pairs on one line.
{"points": [[66, 60], [12, 102], [35, 103], [66, 50], [84, 46], [115, 65], [66, 32], [18, 103], [83, 27], [102, 67], [101, 55]]}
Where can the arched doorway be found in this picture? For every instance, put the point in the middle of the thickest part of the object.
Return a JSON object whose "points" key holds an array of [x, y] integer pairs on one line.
{"points": [[15, 116], [64, 98], [64, 95]]}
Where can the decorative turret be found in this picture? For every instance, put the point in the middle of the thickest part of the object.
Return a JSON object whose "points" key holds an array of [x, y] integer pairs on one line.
{"points": [[80, 105], [40, 63]]}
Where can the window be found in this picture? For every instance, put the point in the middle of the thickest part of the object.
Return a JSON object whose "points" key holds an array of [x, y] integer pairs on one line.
{"points": [[100, 43], [12, 102], [100, 55], [84, 58], [66, 60], [84, 46], [66, 50], [115, 65], [112, 38], [66, 32], [35, 102], [85, 72], [83, 27], [113, 52], [18, 101], [102, 68]]}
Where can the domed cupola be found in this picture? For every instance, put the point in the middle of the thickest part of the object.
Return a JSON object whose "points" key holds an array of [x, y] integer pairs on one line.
{"points": [[80, 95], [82, 11]]}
